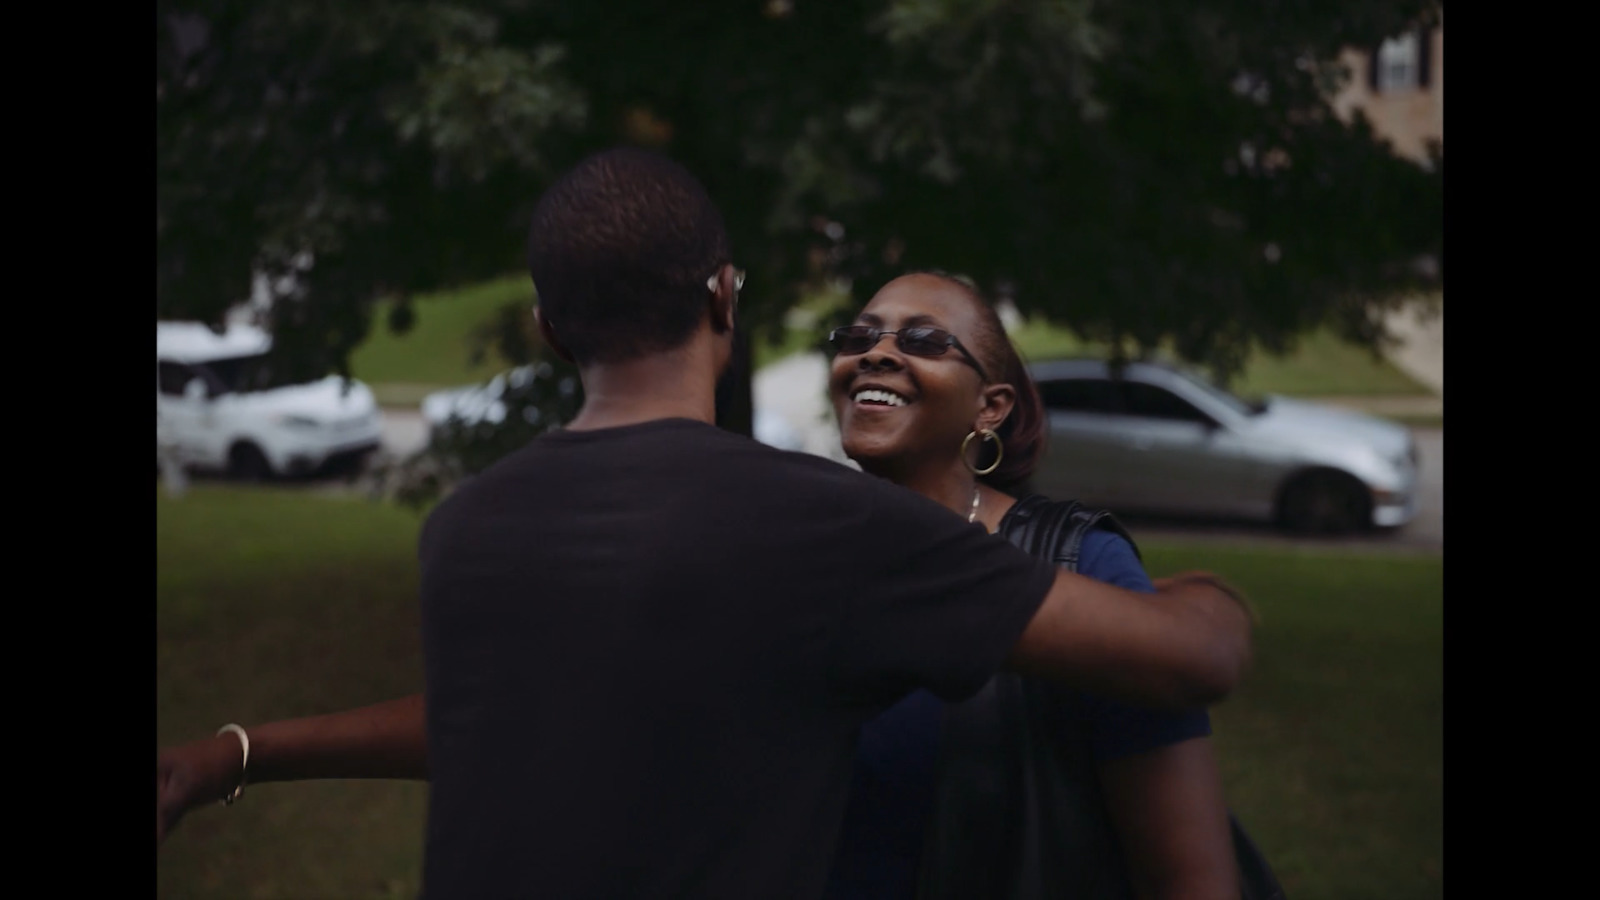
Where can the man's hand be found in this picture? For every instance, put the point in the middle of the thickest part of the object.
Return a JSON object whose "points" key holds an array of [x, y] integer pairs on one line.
{"points": [[1186, 645], [1173, 582], [193, 774]]}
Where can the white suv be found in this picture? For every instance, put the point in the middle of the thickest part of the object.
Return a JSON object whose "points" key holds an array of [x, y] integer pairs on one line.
{"points": [[218, 407]]}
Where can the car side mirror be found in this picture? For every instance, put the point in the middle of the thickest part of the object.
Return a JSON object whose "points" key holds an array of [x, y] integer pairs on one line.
{"points": [[195, 390]]}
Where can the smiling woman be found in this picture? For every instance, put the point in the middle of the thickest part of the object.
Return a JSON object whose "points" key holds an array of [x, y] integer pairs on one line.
{"points": [[930, 394], [943, 395]]}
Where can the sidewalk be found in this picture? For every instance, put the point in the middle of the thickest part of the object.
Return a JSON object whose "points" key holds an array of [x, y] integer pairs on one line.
{"points": [[1422, 406], [1421, 353]]}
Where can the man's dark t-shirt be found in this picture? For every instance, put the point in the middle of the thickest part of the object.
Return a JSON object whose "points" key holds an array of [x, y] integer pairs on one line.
{"points": [[649, 651]]}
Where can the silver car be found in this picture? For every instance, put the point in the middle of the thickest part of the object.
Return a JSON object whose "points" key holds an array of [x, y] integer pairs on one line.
{"points": [[1163, 440]]}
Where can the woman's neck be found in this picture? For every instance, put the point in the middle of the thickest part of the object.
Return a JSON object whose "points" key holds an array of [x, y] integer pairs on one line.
{"points": [[951, 486]]}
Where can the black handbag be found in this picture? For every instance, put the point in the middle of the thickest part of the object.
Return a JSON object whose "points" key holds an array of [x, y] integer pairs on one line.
{"points": [[1018, 813]]}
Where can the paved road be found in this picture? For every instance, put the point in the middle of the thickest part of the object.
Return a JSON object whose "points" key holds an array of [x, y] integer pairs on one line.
{"points": [[404, 432]]}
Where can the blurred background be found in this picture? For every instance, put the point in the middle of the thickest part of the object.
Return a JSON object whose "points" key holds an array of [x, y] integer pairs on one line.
{"points": [[1215, 230]]}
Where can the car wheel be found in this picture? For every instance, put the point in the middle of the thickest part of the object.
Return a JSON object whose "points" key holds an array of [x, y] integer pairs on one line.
{"points": [[246, 462], [1325, 503]]}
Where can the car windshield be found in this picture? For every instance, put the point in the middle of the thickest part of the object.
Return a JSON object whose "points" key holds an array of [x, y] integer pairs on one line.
{"points": [[1251, 407], [243, 374]]}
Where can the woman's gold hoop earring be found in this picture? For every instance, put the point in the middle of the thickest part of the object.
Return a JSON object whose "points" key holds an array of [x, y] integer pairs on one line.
{"points": [[987, 435]]}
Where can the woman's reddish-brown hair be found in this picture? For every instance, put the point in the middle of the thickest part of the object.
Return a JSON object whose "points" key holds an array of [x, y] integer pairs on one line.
{"points": [[1022, 434]]}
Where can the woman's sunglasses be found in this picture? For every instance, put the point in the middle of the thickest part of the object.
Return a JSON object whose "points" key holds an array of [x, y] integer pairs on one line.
{"points": [[918, 340]]}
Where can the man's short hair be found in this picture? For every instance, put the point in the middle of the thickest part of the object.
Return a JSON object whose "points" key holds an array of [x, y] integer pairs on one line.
{"points": [[620, 250]]}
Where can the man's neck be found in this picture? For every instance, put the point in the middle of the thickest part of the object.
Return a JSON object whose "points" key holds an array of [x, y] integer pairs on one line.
{"points": [[679, 384]]}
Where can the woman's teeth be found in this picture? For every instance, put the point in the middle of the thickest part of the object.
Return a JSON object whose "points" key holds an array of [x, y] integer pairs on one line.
{"points": [[881, 397]]}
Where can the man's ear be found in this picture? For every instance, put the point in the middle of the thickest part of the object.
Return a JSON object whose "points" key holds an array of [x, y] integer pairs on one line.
{"points": [[996, 403], [548, 332], [722, 301]]}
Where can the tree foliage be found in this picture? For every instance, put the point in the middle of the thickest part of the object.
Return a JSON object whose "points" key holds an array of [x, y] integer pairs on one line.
{"points": [[1145, 172]]}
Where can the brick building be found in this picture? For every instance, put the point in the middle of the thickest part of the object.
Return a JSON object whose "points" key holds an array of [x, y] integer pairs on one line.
{"points": [[1400, 87]]}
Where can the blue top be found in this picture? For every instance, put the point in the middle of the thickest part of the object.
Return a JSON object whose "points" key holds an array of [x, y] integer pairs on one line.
{"points": [[891, 793]]}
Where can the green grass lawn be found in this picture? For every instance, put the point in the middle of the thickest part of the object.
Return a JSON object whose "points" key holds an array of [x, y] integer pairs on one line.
{"points": [[1333, 751], [277, 603], [766, 351], [435, 353]]}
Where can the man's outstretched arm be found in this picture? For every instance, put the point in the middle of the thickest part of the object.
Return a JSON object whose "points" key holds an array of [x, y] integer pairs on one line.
{"points": [[387, 740]]}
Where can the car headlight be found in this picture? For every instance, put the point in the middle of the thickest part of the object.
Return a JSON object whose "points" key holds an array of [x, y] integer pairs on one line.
{"points": [[298, 422]]}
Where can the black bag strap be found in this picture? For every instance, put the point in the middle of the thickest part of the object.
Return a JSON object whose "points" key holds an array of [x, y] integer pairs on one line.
{"points": [[1055, 529]]}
